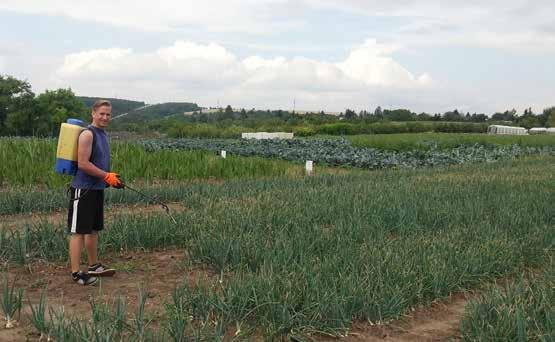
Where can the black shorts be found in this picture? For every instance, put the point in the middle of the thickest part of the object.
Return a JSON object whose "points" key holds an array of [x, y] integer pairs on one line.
{"points": [[86, 211]]}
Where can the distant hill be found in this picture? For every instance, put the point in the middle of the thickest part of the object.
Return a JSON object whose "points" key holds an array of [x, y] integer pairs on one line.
{"points": [[159, 111], [136, 111], [119, 106]]}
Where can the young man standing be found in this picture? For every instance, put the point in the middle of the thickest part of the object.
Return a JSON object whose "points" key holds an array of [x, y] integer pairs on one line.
{"points": [[86, 206]]}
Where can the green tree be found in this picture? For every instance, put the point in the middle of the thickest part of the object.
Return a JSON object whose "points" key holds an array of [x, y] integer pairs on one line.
{"points": [[424, 116], [350, 114], [22, 118], [453, 116], [398, 115], [55, 107], [378, 111], [16, 103], [550, 114], [529, 119], [228, 111]]}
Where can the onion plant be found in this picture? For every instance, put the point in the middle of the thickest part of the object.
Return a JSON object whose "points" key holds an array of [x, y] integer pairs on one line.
{"points": [[10, 301]]}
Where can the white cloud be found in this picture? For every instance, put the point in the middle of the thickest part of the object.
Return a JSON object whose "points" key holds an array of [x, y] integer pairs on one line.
{"points": [[209, 71], [95, 63], [518, 25], [184, 62], [371, 64], [296, 74], [467, 22], [229, 15], [188, 51], [369, 74]]}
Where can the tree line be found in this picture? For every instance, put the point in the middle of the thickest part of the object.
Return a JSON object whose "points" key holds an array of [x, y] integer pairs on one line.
{"points": [[528, 119], [23, 113]]}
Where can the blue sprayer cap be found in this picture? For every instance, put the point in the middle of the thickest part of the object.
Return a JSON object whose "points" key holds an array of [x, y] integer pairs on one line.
{"points": [[75, 122]]}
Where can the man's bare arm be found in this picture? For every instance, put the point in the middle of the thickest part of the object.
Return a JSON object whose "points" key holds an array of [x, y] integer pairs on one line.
{"points": [[84, 154]]}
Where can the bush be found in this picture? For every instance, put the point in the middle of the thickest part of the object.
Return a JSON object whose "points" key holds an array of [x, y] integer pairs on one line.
{"points": [[304, 131], [205, 131], [390, 127], [339, 128], [461, 127]]}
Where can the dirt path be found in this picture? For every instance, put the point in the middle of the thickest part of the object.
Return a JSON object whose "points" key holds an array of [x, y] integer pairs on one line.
{"points": [[18, 221], [440, 323], [437, 322], [159, 272]]}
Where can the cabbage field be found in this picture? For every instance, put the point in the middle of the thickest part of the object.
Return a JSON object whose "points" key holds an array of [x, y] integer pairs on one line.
{"points": [[340, 152], [262, 251]]}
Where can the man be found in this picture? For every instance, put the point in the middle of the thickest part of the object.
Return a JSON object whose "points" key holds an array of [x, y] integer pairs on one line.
{"points": [[86, 207]]}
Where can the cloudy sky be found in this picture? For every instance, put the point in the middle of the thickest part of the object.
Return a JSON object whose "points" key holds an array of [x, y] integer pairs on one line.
{"points": [[427, 55]]}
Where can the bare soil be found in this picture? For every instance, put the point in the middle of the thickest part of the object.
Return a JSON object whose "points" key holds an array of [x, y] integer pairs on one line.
{"points": [[438, 322], [159, 272]]}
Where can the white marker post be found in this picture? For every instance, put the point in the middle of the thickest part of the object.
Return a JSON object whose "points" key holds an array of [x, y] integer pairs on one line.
{"points": [[223, 154], [308, 167]]}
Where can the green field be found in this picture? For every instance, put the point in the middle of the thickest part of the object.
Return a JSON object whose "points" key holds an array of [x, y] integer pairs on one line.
{"points": [[334, 128], [305, 256], [32, 160], [425, 141]]}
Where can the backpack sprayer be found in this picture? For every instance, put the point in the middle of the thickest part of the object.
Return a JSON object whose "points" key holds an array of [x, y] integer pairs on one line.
{"points": [[66, 159]]}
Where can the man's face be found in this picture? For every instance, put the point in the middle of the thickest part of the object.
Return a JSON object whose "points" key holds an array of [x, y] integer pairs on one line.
{"points": [[102, 116]]}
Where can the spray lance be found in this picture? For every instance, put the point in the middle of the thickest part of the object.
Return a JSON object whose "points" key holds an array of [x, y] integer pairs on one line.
{"points": [[66, 159], [153, 199]]}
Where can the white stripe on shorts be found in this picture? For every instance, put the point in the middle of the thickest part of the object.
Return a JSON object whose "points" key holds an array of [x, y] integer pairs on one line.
{"points": [[75, 206]]}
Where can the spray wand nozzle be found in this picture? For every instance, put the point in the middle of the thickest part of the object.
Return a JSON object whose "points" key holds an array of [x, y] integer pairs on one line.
{"points": [[150, 198]]}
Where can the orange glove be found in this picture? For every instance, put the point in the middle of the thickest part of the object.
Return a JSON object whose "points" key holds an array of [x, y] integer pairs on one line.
{"points": [[112, 179]]}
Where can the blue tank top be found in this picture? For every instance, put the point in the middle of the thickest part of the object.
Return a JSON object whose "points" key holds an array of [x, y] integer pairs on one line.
{"points": [[100, 157]]}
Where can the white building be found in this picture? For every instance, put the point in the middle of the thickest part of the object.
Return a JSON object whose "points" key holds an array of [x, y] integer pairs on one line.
{"points": [[537, 130], [509, 130], [266, 135]]}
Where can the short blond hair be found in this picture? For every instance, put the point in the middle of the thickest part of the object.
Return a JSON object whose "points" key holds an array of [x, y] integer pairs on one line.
{"points": [[99, 103]]}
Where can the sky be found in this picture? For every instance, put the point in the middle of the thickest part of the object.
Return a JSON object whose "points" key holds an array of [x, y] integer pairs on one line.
{"points": [[428, 55]]}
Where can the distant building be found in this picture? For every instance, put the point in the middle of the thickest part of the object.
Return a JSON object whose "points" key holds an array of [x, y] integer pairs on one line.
{"points": [[537, 130], [507, 130]]}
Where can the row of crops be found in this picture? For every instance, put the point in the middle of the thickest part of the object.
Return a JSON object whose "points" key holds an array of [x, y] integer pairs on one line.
{"points": [[32, 160], [340, 152], [427, 141], [520, 310], [31, 163], [305, 256]]}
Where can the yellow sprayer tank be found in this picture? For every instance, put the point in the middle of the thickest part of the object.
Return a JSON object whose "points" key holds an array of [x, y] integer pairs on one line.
{"points": [[66, 156]]}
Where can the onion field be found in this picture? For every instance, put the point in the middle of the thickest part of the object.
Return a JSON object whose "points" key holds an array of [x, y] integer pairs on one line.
{"points": [[261, 251]]}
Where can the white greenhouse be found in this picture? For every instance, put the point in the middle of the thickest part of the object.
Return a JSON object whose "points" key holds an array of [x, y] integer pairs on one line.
{"points": [[266, 135], [537, 130], [509, 130]]}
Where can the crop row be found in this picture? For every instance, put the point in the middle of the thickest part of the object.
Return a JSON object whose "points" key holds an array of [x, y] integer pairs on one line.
{"points": [[206, 130], [110, 320], [30, 161], [521, 310], [311, 255], [340, 152], [427, 141]]}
